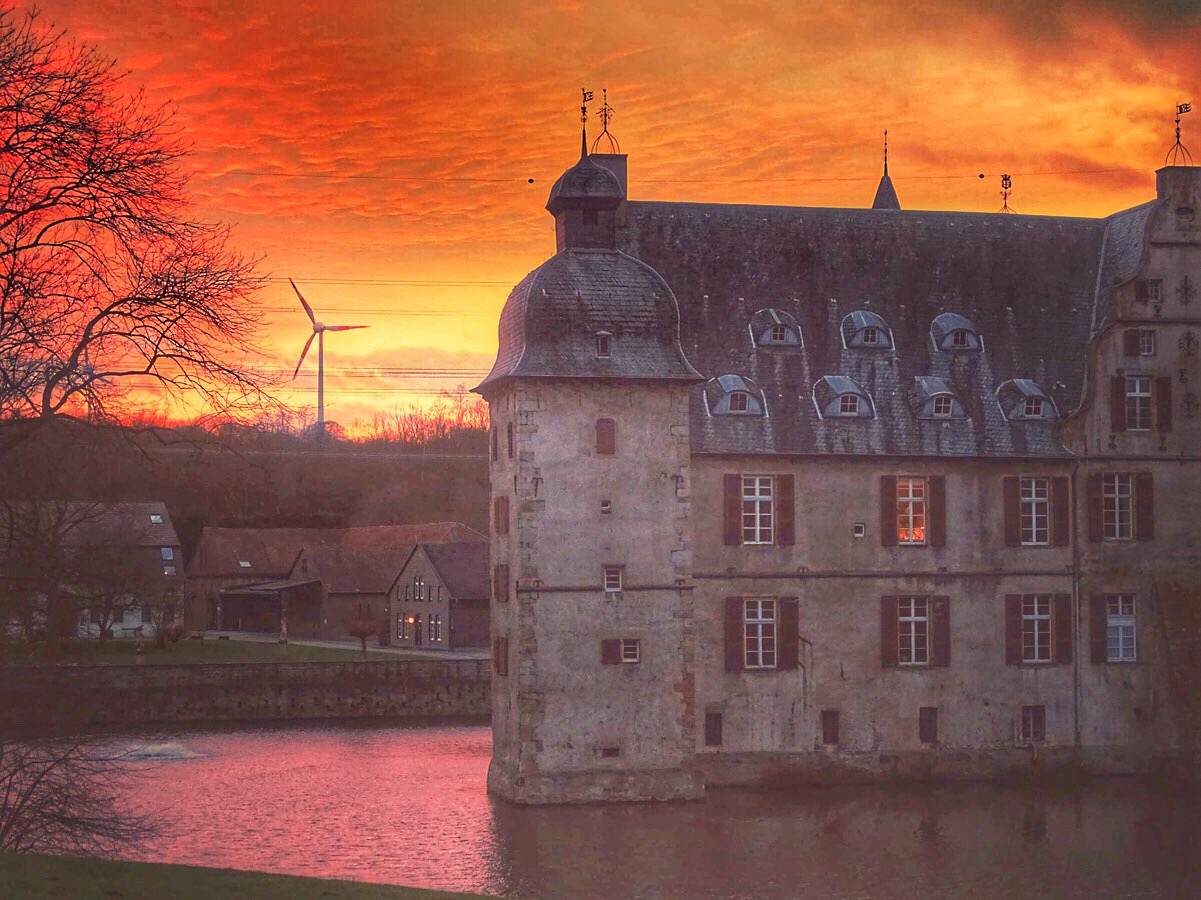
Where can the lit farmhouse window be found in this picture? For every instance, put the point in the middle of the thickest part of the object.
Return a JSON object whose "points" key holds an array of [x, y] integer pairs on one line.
{"points": [[848, 405], [1119, 620], [1036, 628], [758, 514], [759, 625], [1035, 494], [612, 579], [870, 336], [1117, 506], [913, 630], [911, 510], [1032, 408], [944, 407], [418, 587], [1146, 342], [738, 401], [604, 345], [1138, 402]]}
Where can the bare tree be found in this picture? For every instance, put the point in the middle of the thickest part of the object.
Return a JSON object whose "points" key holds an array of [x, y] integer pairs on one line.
{"points": [[65, 797], [105, 283]]}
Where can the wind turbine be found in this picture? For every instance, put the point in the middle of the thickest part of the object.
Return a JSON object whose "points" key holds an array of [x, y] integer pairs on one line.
{"points": [[319, 329]]}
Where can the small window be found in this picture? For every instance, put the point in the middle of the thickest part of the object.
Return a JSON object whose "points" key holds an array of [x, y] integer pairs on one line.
{"points": [[960, 339], [712, 729], [610, 752], [1146, 342], [604, 345], [631, 650], [1034, 723], [1032, 408], [927, 724], [167, 554], [871, 336], [1119, 625], [156, 519], [606, 437], [168, 570], [606, 507], [848, 405], [779, 334], [830, 727], [613, 580], [739, 401], [1148, 291], [943, 407], [244, 563]]}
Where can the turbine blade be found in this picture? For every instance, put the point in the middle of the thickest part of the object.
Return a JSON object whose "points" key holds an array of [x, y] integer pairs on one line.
{"points": [[307, 344], [308, 309], [344, 327]]}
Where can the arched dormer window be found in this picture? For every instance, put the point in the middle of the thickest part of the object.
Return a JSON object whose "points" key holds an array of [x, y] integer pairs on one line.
{"points": [[933, 399], [955, 333], [775, 328], [733, 395], [840, 397], [1021, 400], [865, 330], [604, 345]]}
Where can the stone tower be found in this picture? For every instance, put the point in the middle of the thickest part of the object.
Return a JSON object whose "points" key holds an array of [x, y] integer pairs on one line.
{"points": [[592, 614]]}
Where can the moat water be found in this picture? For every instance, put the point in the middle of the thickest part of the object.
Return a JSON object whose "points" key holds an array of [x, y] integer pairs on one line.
{"points": [[407, 805]]}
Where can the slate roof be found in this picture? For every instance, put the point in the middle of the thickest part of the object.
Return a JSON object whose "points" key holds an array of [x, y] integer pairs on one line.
{"points": [[463, 568], [586, 184], [549, 323], [886, 195], [1125, 235], [1026, 282]]}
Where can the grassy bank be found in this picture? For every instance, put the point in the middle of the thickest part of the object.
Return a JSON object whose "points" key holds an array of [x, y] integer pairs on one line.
{"points": [[124, 653], [32, 875]]}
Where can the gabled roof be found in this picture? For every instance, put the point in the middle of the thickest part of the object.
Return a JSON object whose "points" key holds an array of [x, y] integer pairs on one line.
{"points": [[463, 568], [143, 523]]}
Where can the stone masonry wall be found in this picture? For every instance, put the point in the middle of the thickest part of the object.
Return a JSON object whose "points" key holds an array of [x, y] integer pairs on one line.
{"points": [[66, 697]]}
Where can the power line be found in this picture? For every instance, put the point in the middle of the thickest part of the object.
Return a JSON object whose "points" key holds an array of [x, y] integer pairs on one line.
{"points": [[389, 282]]}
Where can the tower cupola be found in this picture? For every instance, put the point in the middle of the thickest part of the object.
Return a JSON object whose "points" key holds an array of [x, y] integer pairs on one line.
{"points": [[583, 202]]}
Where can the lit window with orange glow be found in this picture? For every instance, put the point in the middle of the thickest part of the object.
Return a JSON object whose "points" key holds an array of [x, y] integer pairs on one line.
{"points": [[911, 510]]}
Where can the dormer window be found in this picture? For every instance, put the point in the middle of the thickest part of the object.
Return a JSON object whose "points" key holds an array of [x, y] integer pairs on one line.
{"points": [[934, 399], [866, 330], [1032, 408], [1022, 400], [775, 328], [604, 345], [942, 407], [953, 332], [733, 395], [840, 397]]}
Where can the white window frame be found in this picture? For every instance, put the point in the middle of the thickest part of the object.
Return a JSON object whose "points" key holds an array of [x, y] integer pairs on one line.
{"points": [[244, 564], [913, 631], [870, 335], [156, 519], [1032, 408], [1035, 518], [943, 407], [631, 651], [913, 511], [1027, 724], [759, 632], [960, 339], [1147, 344], [604, 345], [1117, 506], [778, 334], [758, 509], [1138, 402], [1037, 627], [740, 401], [1121, 635], [613, 580], [848, 404]]}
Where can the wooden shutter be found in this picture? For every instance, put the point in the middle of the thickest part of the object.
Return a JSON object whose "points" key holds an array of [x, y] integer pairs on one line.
{"points": [[1117, 403], [938, 510], [789, 634], [830, 727], [888, 632], [1144, 507], [785, 510], [927, 724], [888, 510], [500, 583], [509, 438], [1013, 629], [1098, 630], [732, 509], [501, 510], [1130, 342], [733, 629], [713, 729], [1062, 627], [500, 655], [1061, 511], [1012, 494], [1163, 404], [495, 443], [1096, 512], [606, 437], [611, 651], [940, 631]]}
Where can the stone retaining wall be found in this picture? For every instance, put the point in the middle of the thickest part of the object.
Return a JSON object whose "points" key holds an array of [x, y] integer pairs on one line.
{"points": [[58, 697]]}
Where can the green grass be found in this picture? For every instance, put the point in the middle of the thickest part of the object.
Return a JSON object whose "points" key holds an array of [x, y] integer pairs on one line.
{"points": [[123, 653], [81, 878]]}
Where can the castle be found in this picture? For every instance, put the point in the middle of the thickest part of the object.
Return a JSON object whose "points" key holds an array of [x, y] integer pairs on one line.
{"points": [[842, 494]]}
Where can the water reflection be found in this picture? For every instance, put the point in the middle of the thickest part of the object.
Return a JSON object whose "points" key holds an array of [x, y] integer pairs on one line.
{"points": [[407, 805]]}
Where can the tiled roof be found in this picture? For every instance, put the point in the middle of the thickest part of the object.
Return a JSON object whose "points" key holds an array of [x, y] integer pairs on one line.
{"points": [[134, 523], [1026, 282], [462, 566]]}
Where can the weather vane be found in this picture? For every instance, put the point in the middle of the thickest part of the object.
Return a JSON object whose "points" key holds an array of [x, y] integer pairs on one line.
{"points": [[585, 96], [1006, 190], [606, 114], [1178, 155]]}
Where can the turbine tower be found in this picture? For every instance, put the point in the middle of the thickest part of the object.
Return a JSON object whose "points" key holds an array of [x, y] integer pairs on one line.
{"points": [[319, 329]]}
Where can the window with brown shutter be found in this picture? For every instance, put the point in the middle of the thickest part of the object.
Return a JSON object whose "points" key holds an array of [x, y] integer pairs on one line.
{"points": [[713, 729], [500, 655], [789, 634], [1098, 630], [611, 652], [733, 634], [501, 515], [785, 510], [1061, 509], [732, 509], [940, 631], [888, 632], [606, 437], [1096, 509], [830, 727], [500, 582], [1144, 507], [1063, 629], [1011, 487], [1163, 404], [1013, 629], [1117, 403], [888, 510], [1131, 343], [938, 510], [927, 724]]}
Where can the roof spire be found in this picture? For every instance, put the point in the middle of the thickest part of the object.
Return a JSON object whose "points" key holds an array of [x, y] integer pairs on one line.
{"points": [[606, 113], [586, 95], [885, 151], [1178, 155], [886, 195]]}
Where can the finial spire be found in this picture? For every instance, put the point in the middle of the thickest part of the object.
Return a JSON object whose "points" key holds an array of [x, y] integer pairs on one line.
{"points": [[606, 114], [1006, 190], [1178, 155], [586, 96], [885, 151]]}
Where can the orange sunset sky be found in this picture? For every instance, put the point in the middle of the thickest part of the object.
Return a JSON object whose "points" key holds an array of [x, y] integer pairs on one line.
{"points": [[379, 151]]}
